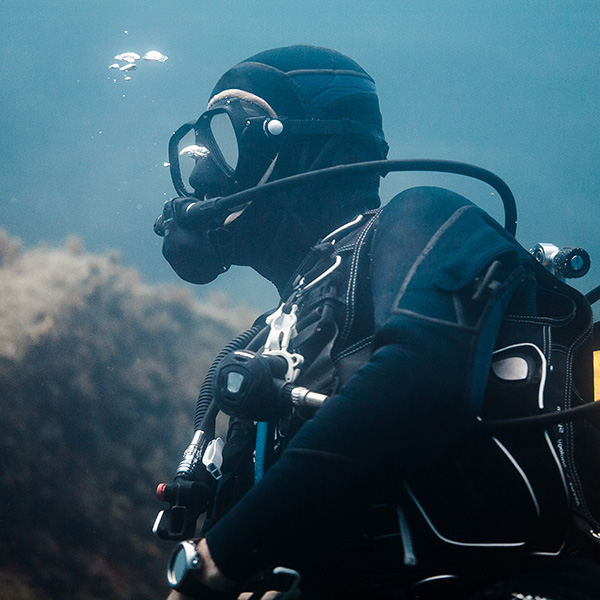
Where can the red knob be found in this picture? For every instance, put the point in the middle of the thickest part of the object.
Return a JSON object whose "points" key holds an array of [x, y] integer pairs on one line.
{"points": [[160, 491]]}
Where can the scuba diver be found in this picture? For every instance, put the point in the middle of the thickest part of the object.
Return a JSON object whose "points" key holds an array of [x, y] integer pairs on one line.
{"points": [[413, 420]]}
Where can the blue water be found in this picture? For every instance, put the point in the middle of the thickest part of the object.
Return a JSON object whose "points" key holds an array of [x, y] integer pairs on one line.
{"points": [[509, 85]]}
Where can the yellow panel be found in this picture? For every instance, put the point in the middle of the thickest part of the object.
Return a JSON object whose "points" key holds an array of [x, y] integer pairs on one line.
{"points": [[596, 375]]}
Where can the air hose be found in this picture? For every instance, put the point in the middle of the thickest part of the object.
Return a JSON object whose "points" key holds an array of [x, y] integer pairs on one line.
{"points": [[585, 411], [198, 212], [206, 409], [593, 295]]}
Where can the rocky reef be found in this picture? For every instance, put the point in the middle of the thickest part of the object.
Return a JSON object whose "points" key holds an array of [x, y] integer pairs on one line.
{"points": [[99, 374]]}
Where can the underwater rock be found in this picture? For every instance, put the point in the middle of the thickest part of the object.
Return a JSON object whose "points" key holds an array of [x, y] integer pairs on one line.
{"points": [[99, 375], [10, 249]]}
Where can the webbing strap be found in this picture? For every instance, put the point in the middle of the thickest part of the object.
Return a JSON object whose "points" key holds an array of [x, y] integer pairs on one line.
{"points": [[323, 127]]}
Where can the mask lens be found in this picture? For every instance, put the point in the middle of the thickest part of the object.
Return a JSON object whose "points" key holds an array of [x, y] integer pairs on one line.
{"points": [[189, 151], [224, 135]]}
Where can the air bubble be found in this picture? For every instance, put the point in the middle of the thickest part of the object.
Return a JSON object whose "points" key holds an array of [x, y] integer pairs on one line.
{"points": [[155, 56], [129, 57]]}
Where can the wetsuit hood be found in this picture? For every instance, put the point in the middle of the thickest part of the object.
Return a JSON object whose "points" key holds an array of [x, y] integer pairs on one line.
{"points": [[312, 84]]}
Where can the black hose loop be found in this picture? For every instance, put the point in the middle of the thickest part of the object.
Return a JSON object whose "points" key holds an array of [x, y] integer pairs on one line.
{"points": [[593, 295], [199, 212], [206, 409], [587, 411]]}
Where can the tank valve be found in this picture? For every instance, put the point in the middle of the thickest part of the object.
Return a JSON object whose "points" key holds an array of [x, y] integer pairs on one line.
{"points": [[567, 262]]}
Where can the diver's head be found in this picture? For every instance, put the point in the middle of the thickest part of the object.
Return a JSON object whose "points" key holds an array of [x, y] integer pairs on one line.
{"points": [[277, 114], [282, 112]]}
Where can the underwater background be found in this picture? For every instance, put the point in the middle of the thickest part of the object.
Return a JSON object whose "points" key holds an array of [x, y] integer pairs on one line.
{"points": [[102, 348]]}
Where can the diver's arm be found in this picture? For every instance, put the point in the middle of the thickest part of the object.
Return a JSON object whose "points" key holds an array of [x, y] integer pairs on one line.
{"points": [[390, 417], [416, 396]]}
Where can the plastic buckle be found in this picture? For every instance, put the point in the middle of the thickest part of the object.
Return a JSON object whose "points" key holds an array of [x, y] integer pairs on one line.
{"points": [[213, 458]]}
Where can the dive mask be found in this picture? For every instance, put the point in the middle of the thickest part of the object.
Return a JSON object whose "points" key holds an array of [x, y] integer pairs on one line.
{"points": [[237, 142], [234, 146]]}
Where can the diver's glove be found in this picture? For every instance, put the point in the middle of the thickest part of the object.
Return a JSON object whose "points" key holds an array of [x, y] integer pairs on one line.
{"points": [[197, 255]]}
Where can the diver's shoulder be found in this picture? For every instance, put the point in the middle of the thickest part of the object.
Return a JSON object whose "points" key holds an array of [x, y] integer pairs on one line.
{"points": [[421, 209], [424, 200]]}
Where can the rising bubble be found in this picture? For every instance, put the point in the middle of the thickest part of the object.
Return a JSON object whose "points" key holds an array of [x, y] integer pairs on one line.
{"points": [[155, 56], [129, 57]]}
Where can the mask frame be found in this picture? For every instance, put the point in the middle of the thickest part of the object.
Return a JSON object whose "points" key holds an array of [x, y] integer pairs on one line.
{"points": [[256, 147], [260, 135]]}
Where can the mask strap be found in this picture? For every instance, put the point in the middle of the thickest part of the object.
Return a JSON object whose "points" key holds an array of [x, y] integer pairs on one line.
{"points": [[325, 127]]}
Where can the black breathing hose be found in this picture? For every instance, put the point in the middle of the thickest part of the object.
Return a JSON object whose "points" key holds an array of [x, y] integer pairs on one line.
{"points": [[201, 211], [206, 408], [593, 295], [585, 411]]}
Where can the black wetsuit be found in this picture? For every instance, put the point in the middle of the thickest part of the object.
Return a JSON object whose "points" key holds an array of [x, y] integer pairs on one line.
{"points": [[392, 480]]}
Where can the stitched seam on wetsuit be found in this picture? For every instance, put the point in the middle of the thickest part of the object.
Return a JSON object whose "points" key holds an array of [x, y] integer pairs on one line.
{"points": [[323, 454], [354, 348], [340, 249], [433, 240], [351, 291], [535, 320], [569, 428], [416, 315]]}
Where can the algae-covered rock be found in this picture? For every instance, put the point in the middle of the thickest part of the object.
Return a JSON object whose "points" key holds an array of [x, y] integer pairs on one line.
{"points": [[99, 375]]}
